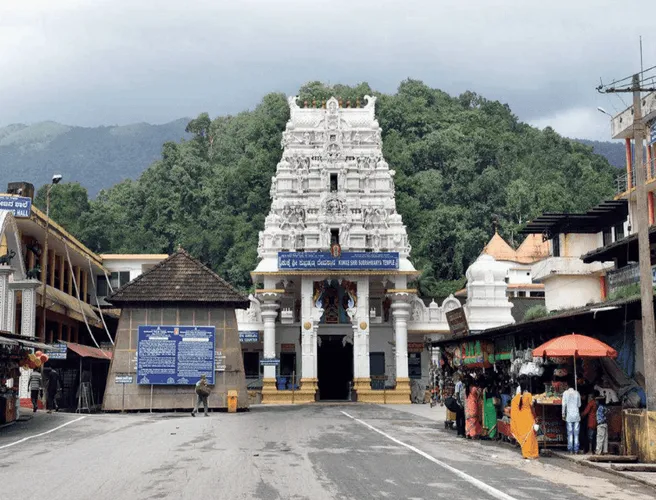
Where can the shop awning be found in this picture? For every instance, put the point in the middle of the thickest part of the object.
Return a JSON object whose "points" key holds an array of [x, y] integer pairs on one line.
{"points": [[86, 351], [68, 305], [11, 339]]}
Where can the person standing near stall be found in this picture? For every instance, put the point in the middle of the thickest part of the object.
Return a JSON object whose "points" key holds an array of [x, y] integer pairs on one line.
{"points": [[461, 399], [522, 422], [602, 427], [473, 409], [590, 413], [571, 415]]}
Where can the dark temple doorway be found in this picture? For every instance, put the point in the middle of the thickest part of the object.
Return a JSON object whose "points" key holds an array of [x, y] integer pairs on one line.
{"points": [[335, 367]]}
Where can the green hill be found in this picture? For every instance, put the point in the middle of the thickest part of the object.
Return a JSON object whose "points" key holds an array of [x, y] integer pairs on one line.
{"points": [[613, 151], [95, 157], [460, 161]]}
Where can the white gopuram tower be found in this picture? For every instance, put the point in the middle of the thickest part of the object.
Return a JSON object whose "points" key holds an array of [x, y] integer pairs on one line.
{"points": [[333, 317], [333, 192]]}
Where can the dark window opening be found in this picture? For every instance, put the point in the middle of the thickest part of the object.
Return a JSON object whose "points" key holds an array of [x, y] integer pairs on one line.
{"points": [[414, 365], [333, 183], [537, 294], [619, 232], [608, 236], [287, 364], [521, 294], [101, 283], [556, 246], [252, 364], [334, 237], [377, 370]]}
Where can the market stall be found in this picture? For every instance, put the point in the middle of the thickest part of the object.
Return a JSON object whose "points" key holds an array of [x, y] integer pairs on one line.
{"points": [[558, 351], [15, 353]]}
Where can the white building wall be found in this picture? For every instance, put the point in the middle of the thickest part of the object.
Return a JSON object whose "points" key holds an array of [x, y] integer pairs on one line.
{"points": [[566, 291], [135, 267], [575, 245]]}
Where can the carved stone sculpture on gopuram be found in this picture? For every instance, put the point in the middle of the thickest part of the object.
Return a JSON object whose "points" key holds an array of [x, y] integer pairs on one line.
{"points": [[332, 180]]}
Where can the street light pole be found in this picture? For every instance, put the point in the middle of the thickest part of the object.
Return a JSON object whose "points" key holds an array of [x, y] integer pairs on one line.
{"points": [[44, 268]]}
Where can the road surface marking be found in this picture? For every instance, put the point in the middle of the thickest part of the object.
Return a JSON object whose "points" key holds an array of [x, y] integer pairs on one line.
{"points": [[490, 490], [41, 434]]}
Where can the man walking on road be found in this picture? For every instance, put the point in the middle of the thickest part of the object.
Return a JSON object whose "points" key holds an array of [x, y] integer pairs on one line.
{"points": [[571, 415], [202, 393], [53, 387], [35, 385]]}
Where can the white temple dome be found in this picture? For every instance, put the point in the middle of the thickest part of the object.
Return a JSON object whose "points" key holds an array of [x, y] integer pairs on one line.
{"points": [[486, 269]]}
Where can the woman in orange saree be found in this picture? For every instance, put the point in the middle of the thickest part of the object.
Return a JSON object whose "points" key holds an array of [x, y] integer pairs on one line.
{"points": [[522, 422], [473, 427]]}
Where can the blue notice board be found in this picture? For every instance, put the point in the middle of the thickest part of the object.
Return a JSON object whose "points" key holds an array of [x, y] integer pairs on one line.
{"points": [[652, 133], [175, 355], [303, 261], [20, 206], [249, 336]]}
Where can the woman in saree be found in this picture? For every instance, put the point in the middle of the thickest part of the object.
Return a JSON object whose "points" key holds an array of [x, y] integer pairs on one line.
{"points": [[489, 412], [473, 410], [522, 423]]}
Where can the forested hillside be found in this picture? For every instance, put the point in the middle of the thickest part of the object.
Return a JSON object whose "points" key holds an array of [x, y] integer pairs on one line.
{"points": [[96, 157], [460, 161], [613, 151]]}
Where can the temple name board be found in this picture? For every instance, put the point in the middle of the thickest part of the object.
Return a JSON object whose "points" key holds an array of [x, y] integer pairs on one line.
{"points": [[307, 261], [457, 321], [19, 206], [175, 355]]}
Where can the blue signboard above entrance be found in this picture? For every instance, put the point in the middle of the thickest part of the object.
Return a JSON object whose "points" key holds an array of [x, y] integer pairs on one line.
{"points": [[308, 261], [175, 355], [18, 205]]}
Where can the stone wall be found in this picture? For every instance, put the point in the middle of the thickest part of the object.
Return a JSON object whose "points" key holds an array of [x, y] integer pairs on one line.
{"points": [[161, 397]]}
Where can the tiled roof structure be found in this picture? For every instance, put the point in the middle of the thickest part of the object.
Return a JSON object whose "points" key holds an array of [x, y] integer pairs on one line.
{"points": [[180, 278], [531, 250]]}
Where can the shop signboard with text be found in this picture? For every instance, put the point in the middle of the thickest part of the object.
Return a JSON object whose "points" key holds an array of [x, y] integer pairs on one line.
{"points": [[309, 261], [175, 355], [19, 206]]}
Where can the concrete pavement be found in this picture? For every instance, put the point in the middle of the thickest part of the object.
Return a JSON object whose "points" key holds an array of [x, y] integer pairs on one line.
{"points": [[347, 451]]}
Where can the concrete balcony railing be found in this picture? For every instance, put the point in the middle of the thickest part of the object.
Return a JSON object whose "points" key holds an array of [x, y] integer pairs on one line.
{"points": [[622, 124], [567, 266], [621, 182]]}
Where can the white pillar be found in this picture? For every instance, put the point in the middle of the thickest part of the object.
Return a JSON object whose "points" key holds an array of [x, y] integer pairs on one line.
{"points": [[308, 333], [269, 315], [5, 271], [28, 308], [401, 313], [11, 311], [361, 335]]}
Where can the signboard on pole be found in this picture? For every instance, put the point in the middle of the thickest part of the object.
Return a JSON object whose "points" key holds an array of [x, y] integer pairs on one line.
{"points": [[270, 362], [123, 378], [308, 261], [20, 206], [457, 321], [57, 351], [652, 133], [175, 355], [249, 336]]}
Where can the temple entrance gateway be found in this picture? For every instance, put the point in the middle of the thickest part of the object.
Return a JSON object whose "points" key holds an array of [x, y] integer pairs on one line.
{"points": [[333, 272], [335, 367]]}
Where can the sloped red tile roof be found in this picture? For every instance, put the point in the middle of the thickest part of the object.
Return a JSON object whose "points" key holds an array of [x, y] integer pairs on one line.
{"points": [[86, 351], [180, 278]]}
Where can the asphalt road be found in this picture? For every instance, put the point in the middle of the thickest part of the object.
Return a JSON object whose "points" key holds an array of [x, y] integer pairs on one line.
{"points": [[312, 452]]}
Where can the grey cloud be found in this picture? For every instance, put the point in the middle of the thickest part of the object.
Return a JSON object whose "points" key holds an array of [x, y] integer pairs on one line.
{"points": [[119, 61]]}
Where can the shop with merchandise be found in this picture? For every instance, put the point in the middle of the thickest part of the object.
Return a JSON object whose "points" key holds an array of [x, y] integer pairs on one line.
{"points": [[15, 353], [496, 360]]}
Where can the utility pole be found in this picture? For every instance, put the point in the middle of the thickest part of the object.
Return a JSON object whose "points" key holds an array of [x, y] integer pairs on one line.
{"points": [[642, 219]]}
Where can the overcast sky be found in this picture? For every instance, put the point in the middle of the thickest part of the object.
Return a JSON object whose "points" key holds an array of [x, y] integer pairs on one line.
{"points": [[95, 62]]}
